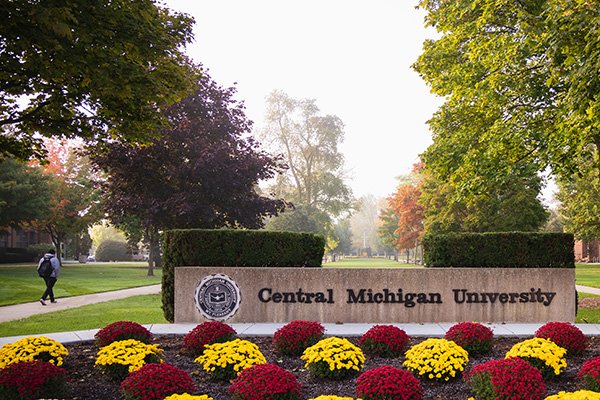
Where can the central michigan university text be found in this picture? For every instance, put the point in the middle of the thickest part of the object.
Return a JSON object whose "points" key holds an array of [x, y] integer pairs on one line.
{"points": [[408, 299]]}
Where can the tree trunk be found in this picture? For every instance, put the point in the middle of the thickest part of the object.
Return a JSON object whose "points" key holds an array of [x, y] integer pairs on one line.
{"points": [[154, 259]]}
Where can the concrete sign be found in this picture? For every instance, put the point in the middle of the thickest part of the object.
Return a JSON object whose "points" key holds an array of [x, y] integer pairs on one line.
{"points": [[374, 295]]}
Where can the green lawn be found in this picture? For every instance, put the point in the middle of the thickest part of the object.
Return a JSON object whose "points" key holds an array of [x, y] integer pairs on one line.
{"points": [[21, 284], [143, 309], [588, 275], [368, 263]]}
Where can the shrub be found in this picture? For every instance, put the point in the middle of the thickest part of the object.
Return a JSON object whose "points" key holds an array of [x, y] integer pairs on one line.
{"points": [[436, 359], [388, 383], [122, 330], [565, 335], [265, 382], [224, 361], [471, 336], [122, 357], [589, 375], [543, 354], [113, 250], [32, 380], [509, 378], [186, 396], [292, 339], [384, 341], [578, 395], [155, 381], [33, 348], [333, 358], [207, 333]]}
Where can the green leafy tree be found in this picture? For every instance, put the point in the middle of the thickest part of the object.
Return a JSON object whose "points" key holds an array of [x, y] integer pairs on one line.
{"points": [[309, 144], [520, 83], [24, 193], [388, 224], [98, 70], [294, 220]]}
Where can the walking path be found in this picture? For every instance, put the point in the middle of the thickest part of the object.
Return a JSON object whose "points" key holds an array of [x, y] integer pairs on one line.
{"points": [[19, 311]]}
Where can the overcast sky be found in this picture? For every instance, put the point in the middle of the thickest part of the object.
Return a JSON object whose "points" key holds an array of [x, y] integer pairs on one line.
{"points": [[353, 57]]}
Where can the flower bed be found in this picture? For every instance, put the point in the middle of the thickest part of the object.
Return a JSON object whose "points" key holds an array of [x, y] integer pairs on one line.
{"points": [[88, 382]]}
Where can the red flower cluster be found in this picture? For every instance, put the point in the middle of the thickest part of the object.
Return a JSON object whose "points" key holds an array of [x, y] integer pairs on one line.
{"points": [[474, 337], [293, 338], [384, 341], [32, 380], [155, 382], [388, 383], [265, 382], [589, 375], [122, 330], [509, 378], [564, 334], [207, 333]]}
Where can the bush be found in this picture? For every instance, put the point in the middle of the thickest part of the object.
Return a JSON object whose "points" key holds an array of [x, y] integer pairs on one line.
{"points": [[113, 250], [234, 248], [32, 380], [265, 382], [436, 359], [333, 358], [122, 330], [384, 341], [589, 375], [565, 335], [38, 250], [155, 382], [33, 348], [388, 383], [471, 336], [500, 250], [543, 354], [293, 338], [120, 358], [224, 361], [578, 395], [509, 378], [207, 333]]}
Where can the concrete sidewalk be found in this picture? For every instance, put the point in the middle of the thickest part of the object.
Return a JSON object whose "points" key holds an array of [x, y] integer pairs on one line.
{"points": [[10, 313]]}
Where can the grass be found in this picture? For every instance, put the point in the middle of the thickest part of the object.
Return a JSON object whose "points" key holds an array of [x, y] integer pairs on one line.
{"points": [[21, 284], [368, 263], [588, 275], [142, 309]]}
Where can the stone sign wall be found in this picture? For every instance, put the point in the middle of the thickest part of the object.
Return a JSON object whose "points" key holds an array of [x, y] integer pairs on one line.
{"points": [[374, 295]]}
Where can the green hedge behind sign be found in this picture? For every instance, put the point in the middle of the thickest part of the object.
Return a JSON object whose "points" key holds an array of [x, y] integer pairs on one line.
{"points": [[500, 250], [234, 248]]}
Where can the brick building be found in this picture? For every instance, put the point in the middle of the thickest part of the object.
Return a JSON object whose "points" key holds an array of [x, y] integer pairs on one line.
{"points": [[587, 250]]}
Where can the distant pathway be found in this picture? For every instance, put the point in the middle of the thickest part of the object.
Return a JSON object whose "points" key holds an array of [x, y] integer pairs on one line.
{"points": [[587, 289], [18, 311]]}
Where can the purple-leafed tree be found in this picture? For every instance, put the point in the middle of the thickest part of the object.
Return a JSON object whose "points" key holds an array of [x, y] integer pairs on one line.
{"points": [[202, 173]]}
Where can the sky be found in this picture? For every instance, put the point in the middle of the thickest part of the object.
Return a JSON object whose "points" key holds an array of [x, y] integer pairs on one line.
{"points": [[353, 57]]}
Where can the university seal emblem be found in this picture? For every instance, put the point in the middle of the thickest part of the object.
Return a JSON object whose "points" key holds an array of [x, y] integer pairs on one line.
{"points": [[217, 297]]}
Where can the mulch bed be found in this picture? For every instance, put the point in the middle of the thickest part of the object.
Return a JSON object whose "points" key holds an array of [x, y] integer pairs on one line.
{"points": [[86, 382]]}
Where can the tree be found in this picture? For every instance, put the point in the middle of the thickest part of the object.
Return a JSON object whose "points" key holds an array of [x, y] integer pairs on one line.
{"points": [[510, 204], [24, 193], [405, 204], [72, 201], [388, 224], [294, 220], [201, 174], [98, 70], [520, 84], [309, 143]]}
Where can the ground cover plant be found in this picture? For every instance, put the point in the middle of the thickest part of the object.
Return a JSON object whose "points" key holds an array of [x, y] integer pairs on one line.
{"points": [[84, 381]]}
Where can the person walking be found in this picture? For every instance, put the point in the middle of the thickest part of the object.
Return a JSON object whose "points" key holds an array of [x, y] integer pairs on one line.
{"points": [[49, 268]]}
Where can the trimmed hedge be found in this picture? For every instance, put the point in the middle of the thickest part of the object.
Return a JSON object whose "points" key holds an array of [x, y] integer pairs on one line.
{"points": [[234, 248], [500, 250]]}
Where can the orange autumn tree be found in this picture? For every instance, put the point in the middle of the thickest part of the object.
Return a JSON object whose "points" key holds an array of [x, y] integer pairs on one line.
{"points": [[405, 205]]}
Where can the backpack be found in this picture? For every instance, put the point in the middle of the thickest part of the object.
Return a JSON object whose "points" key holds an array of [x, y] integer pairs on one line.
{"points": [[45, 269]]}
